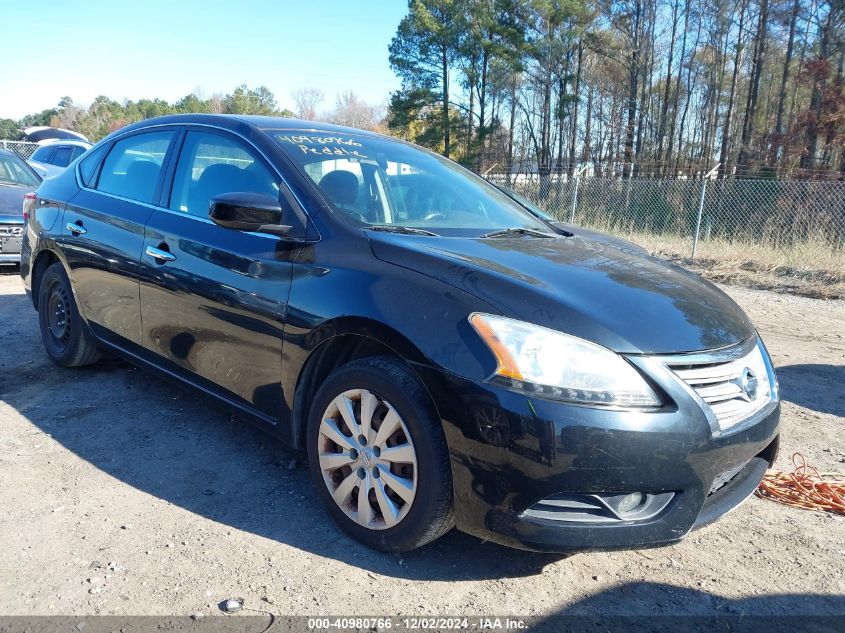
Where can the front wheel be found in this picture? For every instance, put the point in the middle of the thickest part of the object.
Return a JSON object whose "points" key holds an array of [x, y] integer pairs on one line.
{"points": [[378, 456], [66, 337]]}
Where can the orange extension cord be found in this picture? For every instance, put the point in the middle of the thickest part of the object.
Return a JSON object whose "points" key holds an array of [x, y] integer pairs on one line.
{"points": [[805, 487]]}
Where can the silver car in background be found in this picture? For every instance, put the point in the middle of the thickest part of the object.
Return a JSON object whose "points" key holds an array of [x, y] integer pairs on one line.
{"points": [[17, 180], [51, 158]]}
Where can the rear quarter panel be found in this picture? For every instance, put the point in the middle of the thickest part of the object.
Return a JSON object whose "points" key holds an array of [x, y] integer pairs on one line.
{"points": [[43, 230]]}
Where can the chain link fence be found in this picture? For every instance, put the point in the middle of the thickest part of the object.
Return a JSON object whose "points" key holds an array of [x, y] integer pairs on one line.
{"points": [[740, 213], [24, 149]]}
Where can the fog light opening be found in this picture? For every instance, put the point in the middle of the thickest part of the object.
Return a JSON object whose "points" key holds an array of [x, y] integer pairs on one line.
{"points": [[630, 502], [600, 507]]}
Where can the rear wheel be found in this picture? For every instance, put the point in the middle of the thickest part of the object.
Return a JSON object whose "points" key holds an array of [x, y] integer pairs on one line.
{"points": [[378, 456], [65, 335]]}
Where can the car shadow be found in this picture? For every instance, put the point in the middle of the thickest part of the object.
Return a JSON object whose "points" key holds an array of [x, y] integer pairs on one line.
{"points": [[814, 386], [648, 606], [183, 447]]}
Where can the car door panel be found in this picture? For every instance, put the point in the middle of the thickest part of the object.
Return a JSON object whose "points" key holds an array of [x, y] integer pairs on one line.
{"points": [[104, 261], [217, 309], [213, 300]]}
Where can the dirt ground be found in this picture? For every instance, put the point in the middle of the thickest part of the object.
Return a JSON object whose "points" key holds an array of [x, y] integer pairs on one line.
{"points": [[122, 494]]}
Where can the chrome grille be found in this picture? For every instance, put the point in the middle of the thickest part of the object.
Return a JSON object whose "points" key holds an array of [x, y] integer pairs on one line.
{"points": [[734, 384]]}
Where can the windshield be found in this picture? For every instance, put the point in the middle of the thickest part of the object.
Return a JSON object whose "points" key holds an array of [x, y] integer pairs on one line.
{"points": [[13, 171], [525, 202], [372, 181]]}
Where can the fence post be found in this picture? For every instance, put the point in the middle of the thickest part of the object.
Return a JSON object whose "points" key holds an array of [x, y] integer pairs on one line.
{"points": [[698, 220], [628, 191], [577, 176], [701, 209]]}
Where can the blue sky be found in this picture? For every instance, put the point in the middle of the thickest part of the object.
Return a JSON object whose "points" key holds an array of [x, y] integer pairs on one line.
{"points": [[167, 49]]}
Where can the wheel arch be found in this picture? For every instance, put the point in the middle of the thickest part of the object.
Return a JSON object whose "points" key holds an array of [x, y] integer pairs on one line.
{"points": [[336, 343], [45, 258]]}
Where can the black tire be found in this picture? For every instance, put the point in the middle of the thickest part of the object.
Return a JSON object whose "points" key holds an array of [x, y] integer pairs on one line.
{"points": [[66, 337], [431, 512]]}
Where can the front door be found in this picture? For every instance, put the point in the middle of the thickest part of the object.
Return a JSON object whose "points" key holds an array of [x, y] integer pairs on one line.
{"points": [[213, 300]]}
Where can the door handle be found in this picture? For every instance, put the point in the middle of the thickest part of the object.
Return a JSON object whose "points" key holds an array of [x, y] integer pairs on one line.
{"points": [[76, 229], [160, 255]]}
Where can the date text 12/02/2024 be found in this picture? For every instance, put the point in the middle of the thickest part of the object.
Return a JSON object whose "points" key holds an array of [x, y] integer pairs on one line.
{"points": [[419, 623]]}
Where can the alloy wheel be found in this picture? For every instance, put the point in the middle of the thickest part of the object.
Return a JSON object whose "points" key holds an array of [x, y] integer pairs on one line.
{"points": [[367, 459]]}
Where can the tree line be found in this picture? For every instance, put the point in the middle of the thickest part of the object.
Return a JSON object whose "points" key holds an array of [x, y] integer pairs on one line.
{"points": [[106, 115], [625, 87], [661, 88]]}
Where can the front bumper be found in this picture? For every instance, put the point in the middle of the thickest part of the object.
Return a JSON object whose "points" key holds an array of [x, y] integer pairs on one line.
{"points": [[510, 451]]}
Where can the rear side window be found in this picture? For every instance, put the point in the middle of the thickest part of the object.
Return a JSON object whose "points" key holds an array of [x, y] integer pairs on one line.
{"points": [[13, 171], [133, 165], [62, 156], [89, 164], [43, 154], [210, 165]]}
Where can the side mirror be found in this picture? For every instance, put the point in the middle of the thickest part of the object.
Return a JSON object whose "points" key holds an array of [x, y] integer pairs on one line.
{"points": [[244, 211]]}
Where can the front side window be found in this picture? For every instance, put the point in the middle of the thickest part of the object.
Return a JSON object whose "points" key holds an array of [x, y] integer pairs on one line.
{"points": [[14, 172], [210, 165], [379, 181], [77, 151], [132, 168]]}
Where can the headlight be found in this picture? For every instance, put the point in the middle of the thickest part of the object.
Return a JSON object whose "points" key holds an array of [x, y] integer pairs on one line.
{"points": [[556, 365], [765, 367]]}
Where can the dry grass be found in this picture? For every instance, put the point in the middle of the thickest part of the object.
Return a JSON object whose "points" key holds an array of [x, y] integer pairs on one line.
{"points": [[810, 269]]}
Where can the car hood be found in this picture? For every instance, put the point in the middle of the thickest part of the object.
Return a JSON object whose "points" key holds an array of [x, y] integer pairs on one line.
{"points": [[11, 201], [597, 236], [625, 301]]}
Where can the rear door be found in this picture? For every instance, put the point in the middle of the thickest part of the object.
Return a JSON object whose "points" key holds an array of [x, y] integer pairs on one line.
{"points": [[213, 300], [103, 233]]}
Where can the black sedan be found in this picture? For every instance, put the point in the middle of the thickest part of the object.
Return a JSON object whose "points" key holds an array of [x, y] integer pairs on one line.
{"points": [[445, 357], [17, 179]]}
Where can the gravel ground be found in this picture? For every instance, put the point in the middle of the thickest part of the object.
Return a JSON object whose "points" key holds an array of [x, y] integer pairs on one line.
{"points": [[122, 494]]}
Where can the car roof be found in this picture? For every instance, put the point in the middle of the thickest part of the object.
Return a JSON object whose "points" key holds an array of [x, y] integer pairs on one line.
{"points": [[232, 121], [64, 141]]}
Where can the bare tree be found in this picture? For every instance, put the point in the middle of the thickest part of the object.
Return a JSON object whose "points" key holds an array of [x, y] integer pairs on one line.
{"points": [[216, 103], [353, 112], [726, 129], [754, 88], [793, 20], [667, 85], [306, 101]]}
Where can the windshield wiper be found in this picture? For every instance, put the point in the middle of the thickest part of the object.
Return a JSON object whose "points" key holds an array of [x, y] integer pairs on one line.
{"points": [[396, 228], [518, 230]]}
